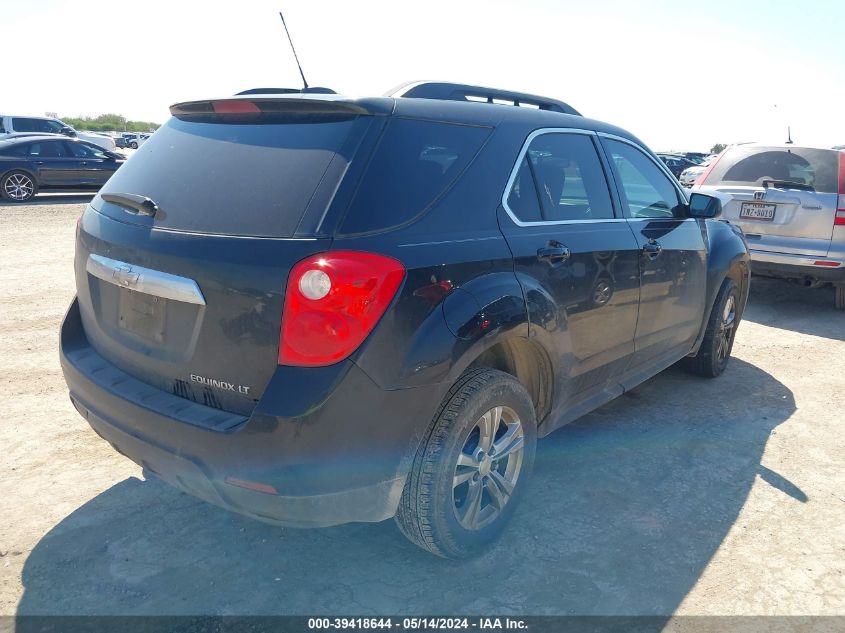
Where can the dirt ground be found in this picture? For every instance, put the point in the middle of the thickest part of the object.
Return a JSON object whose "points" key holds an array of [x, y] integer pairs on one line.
{"points": [[686, 496]]}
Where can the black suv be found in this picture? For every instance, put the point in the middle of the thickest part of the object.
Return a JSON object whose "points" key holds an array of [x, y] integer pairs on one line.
{"points": [[313, 309]]}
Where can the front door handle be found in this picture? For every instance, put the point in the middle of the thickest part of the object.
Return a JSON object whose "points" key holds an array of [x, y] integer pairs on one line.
{"points": [[652, 248], [554, 253]]}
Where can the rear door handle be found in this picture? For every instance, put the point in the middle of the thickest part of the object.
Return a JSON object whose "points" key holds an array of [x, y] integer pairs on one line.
{"points": [[554, 253], [652, 249]]}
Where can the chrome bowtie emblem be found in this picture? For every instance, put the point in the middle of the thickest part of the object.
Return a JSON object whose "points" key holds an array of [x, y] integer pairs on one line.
{"points": [[759, 195], [125, 276]]}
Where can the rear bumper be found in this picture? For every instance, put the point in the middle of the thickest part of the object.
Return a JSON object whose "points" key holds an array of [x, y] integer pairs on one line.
{"points": [[789, 266], [344, 458]]}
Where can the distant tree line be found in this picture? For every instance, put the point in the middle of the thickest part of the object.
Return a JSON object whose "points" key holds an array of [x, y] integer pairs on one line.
{"points": [[109, 123]]}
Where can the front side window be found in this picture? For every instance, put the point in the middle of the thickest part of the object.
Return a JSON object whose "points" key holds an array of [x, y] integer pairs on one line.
{"points": [[569, 182], [81, 150], [646, 191]]}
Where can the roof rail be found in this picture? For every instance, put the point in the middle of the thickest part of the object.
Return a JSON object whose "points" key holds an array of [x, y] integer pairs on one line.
{"points": [[448, 91], [286, 91]]}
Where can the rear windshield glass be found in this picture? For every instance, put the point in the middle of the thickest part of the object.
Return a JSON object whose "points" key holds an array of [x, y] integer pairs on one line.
{"points": [[235, 179], [414, 163], [817, 168]]}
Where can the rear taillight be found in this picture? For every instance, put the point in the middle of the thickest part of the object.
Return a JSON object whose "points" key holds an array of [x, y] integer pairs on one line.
{"points": [[332, 303], [700, 180], [839, 220]]}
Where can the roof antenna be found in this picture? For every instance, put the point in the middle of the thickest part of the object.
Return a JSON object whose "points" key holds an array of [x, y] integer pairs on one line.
{"points": [[298, 65], [788, 135]]}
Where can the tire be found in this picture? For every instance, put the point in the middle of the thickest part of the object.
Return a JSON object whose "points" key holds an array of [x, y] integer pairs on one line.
{"points": [[133, 145], [715, 351], [839, 297], [18, 186], [439, 515]]}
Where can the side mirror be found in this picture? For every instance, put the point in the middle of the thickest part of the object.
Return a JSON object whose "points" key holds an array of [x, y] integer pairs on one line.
{"points": [[703, 206], [69, 131]]}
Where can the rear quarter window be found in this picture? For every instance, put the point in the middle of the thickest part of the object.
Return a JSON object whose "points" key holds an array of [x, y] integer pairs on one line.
{"points": [[752, 166], [414, 163]]}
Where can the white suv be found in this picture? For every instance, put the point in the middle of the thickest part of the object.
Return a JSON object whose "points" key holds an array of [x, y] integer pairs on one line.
{"points": [[790, 202], [45, 125]]}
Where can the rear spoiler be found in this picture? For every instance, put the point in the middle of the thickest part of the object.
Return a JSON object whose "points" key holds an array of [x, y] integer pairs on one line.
{"points": [[266, 109]]}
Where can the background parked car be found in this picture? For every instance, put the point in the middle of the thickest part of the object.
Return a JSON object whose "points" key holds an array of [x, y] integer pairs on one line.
{"points": [[691, 174], [29, 164], [135, 139], [790, 202], [120, 141], [46, 125], [676, 163]]}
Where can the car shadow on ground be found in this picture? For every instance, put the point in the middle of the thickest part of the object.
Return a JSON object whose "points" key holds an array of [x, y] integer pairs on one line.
{"points": [[788, 305], [49, 199], [627, 507]]}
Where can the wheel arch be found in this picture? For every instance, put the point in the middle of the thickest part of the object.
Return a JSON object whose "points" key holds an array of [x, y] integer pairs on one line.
{"points": [[526, 361], [25, 170], [728, 258]]}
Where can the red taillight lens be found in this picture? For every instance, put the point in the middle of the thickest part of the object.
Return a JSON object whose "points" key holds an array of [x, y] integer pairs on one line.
{"points": [[839, 220], [332, 303]]}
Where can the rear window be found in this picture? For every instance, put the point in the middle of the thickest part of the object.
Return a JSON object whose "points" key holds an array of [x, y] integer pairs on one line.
{"points": [[236, 179], [817, 168], [414, 163]]}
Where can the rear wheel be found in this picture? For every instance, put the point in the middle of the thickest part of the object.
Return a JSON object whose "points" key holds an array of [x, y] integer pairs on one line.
{"points": [[472, 467], [18, 186], [133, 145], [839, 297], [715, 350]]}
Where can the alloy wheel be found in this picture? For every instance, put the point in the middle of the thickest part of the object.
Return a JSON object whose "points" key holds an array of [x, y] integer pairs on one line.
{"points": [[726, 329], [19, 187], [488, 468]]}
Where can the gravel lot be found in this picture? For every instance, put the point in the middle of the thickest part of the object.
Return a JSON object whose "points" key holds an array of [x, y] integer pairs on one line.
{"points": [[685, 496]]}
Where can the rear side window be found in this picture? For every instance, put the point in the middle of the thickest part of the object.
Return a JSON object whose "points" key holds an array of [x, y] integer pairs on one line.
{"points": [[235, 179], [816, 168], [413, 164], [47, 149], [569, 182], [522, 199]]}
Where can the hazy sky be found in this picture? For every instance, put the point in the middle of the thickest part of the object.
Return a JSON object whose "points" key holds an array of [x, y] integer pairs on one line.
{"points": [[681, 75]]}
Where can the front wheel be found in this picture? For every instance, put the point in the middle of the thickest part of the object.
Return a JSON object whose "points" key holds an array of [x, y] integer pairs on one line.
{"points": [[715, 351], [18, 186], [133, 145], [472, 467]]}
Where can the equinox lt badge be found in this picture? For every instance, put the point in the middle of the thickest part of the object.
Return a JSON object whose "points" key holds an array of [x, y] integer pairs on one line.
{"points": [[220, 384]]}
